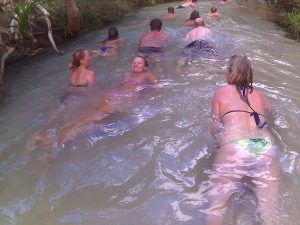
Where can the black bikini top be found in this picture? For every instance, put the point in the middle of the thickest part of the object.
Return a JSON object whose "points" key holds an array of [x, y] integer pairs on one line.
{"points": [[255, 114], [79, 85]]}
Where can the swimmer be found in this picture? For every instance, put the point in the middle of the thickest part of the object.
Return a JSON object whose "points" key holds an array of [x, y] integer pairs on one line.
{"points": [[154, 40], [246, 148], [152, 43], [170, 14], [133, 85], [197, 43], [81, 75], [213, 12], [188, 4], [191, 21], [81, 82], [109, 46]]}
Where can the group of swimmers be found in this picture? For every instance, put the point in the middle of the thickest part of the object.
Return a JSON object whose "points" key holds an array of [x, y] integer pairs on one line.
{"points": [[238, 113]]}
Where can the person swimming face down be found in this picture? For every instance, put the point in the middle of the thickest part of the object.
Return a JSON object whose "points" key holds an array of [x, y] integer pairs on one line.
{"points": [[239, 72]]}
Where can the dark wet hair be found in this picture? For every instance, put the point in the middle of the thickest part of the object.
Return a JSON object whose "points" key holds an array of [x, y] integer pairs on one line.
{"points": [[213, 9], [76, 57], [194, 0], [171, 10], [194, 15], [112, 33], [155, 24], [240, 72]]}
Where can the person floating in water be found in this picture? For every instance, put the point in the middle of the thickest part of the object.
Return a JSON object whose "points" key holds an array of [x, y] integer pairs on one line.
{"points": [[109, 46], [170, 14], [133, 85], [152, 43], [187, 4], [81, 85], [214, 12], [246, 148], [197, 44], [191, 20], [81, 75]]}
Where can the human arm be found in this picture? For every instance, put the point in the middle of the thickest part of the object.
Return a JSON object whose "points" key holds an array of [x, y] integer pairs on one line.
{"points": [[186, 39], [91, 79], [152, 79], [215, 115], [269, 108], [139, 42]]}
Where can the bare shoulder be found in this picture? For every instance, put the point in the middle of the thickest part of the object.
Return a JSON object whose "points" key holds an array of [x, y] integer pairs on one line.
{"points": [[221, 90], [258, 94], [92, 73], [151, 77]]}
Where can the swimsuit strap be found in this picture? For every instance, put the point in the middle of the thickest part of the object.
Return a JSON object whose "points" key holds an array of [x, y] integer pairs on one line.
{"points": [[78, 85], [254, 113], [237, 110]]}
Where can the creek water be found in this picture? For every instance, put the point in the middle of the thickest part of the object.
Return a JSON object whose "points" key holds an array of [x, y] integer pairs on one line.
{"points": [[150, 163]]}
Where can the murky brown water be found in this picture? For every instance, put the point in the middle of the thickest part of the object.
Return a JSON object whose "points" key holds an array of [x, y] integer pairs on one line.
{"points": [[148, 165]]}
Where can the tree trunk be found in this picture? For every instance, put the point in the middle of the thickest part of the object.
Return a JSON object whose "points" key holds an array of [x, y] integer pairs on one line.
{"points": [[73, 16]]}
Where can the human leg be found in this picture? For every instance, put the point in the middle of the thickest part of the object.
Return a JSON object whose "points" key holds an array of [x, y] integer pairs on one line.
{"points": [[266, 190], [224, 184], [85, 121], [179, 66]]}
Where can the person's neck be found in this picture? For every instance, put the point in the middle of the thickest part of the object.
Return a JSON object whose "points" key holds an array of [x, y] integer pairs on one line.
{"points": [[85, 67], [136, 74]]}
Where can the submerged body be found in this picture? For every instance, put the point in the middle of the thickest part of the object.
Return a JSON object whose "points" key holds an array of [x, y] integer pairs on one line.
{"points": [[81, 82], [152, 43], [114, 100], [246, 148], [109, 46]]}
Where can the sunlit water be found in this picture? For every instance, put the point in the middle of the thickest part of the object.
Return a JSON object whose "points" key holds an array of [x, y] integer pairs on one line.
{"points": [[150, 163]]}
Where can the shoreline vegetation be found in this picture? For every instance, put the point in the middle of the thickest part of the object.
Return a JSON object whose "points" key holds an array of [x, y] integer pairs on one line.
{"points": [[28, 27], [72, 18], [288, 16]]}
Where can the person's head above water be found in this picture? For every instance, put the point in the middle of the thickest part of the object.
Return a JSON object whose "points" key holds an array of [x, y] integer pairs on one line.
{"points": [[194, 15], [81, 57], [113, 33], [213, 9], [139, 64], [171, 10], [239, 72], [155, 24], [199, 22]]}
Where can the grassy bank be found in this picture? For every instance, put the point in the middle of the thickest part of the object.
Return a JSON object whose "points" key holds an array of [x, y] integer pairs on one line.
{"points": [[94, 14], [289, 16]]}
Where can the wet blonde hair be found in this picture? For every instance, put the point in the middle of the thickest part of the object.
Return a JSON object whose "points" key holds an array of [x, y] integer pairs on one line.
{"points": [[76, 57], [240, 72]]}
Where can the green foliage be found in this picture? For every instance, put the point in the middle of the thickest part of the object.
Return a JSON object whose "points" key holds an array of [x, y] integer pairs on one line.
{"points": [[290, 16], [291, 21], [22, 12], [95, 13]]}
